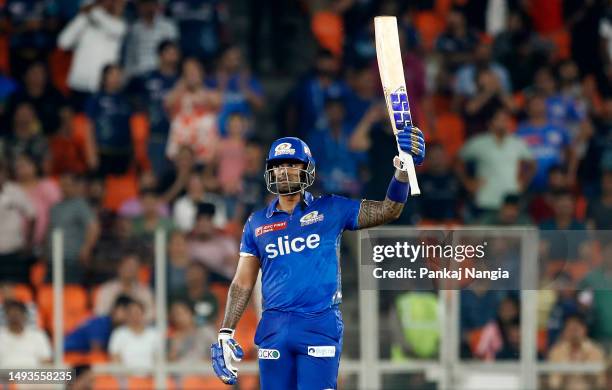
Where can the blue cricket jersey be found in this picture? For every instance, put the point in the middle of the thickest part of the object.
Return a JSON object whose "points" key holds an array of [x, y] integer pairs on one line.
{"points": [[299, 252]]}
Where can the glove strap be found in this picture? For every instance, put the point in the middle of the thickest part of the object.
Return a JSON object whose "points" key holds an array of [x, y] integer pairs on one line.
{"points": [[226, 333]]}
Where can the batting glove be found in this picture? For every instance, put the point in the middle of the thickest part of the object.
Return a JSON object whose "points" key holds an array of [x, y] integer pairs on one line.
{"points": [[412, 142], [223, 354]]}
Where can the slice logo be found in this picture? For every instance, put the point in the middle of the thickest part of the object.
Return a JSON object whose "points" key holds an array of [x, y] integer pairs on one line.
{"points": [[271, 227], [310, 218], [322, 351], [268, 354], [283, 148]]}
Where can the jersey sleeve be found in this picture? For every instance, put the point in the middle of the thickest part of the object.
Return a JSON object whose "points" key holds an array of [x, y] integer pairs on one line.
{"points": [[248, 247], [348, 210]]}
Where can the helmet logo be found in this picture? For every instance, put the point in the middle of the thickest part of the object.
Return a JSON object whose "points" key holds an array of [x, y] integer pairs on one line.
{"points": [[307, 151], [283, 148]]}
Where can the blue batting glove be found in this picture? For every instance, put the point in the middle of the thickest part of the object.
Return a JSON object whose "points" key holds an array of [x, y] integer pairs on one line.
{"points": [[412, 142], [223, 354]]}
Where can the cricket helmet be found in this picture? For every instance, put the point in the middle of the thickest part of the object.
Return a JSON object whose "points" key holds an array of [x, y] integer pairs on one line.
{"points": [[289, 149]]}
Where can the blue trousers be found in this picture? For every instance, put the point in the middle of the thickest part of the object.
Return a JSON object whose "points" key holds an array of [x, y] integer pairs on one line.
{"points": [[299, 351]]}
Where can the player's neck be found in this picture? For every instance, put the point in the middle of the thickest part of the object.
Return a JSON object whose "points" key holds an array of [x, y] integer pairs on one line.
{"points": [[287, 203]]}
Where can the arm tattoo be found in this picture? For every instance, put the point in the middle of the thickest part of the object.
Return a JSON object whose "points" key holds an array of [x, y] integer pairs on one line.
{"points": [[237, 301], [374, 213]]}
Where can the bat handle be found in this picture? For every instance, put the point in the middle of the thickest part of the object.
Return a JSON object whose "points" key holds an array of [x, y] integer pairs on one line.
{"points": [[408, 165]]}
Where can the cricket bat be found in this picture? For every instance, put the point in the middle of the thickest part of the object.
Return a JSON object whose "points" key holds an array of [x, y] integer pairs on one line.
{"points": [[391, 71]]}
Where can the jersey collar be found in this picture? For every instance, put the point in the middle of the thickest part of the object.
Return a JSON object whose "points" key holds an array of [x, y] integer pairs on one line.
{"points": [[272, 207]]}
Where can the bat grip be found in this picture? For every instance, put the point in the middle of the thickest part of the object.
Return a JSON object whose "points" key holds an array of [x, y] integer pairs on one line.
{"points": [[408, 166]]}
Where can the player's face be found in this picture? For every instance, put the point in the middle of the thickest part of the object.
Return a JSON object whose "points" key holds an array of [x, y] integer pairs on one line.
{"points": [[287, 175]]}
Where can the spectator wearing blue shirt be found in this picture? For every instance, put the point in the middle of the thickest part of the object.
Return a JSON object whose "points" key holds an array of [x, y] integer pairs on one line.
{"points": [[561, 108], [109, 110], [148, 93], [465, 84], [339, 163], [306, 109], [242, 92], [364, 92], [94, 334], [550, 144], [202, 26]]}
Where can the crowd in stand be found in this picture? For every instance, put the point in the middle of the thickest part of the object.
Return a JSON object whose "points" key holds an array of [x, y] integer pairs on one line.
{"points": [[151, 123]]}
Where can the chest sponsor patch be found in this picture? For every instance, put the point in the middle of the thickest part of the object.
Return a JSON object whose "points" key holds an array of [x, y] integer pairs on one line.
{"points": [[322, 351], [310, 218], [271, 227], [268, 354]]}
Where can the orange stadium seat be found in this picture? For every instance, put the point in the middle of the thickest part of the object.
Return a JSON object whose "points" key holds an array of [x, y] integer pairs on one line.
{"points": [[147, 383], [119, 189], [105, 382], [220, 291], [75, 306], [38, 271], [430, 25], [22, 292], [327, 27], [144, 274], [5, 63], [139, 124], [450, 132], [59, 66], [245, 332], [248, 382], [194, 382]]}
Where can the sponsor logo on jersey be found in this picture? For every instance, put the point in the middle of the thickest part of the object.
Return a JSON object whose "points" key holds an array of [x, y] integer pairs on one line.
{"points": [[322, 351], [271, 227], [285, 246], [310, 218], [283, 148], [268, 354]]}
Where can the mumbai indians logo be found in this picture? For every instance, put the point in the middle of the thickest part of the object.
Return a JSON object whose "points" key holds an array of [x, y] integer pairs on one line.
{"points": [[401, 109], [268, 354], [310, 218], [283, 148]]}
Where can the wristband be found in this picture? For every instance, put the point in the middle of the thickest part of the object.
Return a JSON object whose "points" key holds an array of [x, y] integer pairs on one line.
{"points": [[397, 191]]}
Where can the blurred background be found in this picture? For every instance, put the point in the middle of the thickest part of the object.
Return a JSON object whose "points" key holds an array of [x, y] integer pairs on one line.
{"points": [[121, 118]]}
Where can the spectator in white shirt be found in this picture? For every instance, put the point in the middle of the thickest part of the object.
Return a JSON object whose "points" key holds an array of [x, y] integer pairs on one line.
{"points": [[186, 207], [21, 346], [134, 345], [144, 38], [95, 36]]}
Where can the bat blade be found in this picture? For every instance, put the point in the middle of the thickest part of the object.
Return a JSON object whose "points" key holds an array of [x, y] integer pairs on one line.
{"points": [[391, 71]]}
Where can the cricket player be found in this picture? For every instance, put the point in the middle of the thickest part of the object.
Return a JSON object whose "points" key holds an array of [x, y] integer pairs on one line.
{"points": [[296, 241]]}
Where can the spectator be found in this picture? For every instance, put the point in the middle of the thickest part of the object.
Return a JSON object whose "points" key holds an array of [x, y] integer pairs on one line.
{"points": [[497, 157], [541, 206], [202, 26], [42, 193], [17, 219], [487, 98], [135, 345], [339, 163], [126, 282], [364, 92], [509, 214], [144, 37], [564, 218], [186, 207], [30, 25], [150, 91], [132, 207], [466, 82], [231, 159], [242, 92], [109, 110], [414, 322], [72, 150], [38, 92], [576, 347], [511, 349], [193, 109], [197, 294], [499, 337], [599, 211], [95, 35], [599, 150], [7, 294], [440, 188], [95, 333], [597, 285], [566, 305], [7, 87], [188, 343], [217, 252], [178, 262], [478, 307], [456, 43], [80, 227], [151, 219], [26, 136], [306, 110], [550, 144], [174, 181], [253, 188], [22, 346]]}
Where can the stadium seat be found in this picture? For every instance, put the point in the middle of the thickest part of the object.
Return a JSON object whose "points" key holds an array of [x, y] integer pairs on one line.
{"points": [[105, 382], [119, 189], [147, 383], [450, 132], [22, 292], [38, 271], [139, 125], [74, 359], [248, 382], [75, 306], [220, 291], [430, 25], [327, 27], [5, 63], [144, 274], [194, 382], [59, 66], [245, 332]]}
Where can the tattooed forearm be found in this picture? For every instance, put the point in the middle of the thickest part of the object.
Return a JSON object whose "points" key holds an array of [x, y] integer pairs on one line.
{"points": [[373, 213], [237, 300]]}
